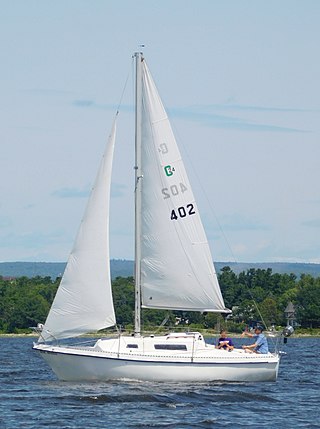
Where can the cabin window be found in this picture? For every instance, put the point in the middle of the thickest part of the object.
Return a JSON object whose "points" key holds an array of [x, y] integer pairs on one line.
{"points": [[132, 346], [170, 347]]}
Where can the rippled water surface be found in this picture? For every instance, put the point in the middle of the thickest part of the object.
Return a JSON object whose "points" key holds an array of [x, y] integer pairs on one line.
{"points": [[31, 396]]}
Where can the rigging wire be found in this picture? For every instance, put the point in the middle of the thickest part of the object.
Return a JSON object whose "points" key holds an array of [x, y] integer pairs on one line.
{"points": [[123, 92], [165, 320]]}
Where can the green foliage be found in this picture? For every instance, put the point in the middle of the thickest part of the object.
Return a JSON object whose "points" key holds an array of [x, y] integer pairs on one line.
{"points": [[25, 302], [308, 301], [123, 298], [255, 294]]}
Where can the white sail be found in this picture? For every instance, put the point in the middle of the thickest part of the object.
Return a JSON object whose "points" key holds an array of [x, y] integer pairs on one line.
{"points": [[83, 302], [177, 271]]}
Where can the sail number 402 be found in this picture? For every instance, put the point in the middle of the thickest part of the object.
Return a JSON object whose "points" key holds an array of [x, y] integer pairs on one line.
{"points": [[182, 211]]}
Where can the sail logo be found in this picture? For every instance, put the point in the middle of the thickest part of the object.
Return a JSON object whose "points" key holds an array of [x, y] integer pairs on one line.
{"points": [[169, 170]]}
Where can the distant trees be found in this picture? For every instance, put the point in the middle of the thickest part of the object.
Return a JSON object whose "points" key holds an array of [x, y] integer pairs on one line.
{"points": [[123, 300], [308, 301], [255, 294], [258, 294], [25, 301]]}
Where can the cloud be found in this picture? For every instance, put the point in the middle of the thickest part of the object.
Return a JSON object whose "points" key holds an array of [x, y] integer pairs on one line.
{"points": [[314, 201], [253, 108], [206, 114], [313, 223], [84, 103], [71, 193], [30, 240], [48, 92], [91, 104], [234, 223], [118, 190], [237, 222], [5, 221]]}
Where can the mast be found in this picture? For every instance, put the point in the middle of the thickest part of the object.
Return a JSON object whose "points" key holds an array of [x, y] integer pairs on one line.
{"points": [[138, 176]]}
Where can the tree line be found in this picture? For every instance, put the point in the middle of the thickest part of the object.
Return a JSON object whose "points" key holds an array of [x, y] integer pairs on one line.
{"points": [[253, 295]]}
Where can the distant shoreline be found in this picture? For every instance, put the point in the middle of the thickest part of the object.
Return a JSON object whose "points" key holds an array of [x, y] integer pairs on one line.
{"points": [[125, 268], [207, 334]]}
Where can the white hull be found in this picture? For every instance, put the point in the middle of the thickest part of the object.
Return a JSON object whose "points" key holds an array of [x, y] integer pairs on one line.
{"points": [[111, 359]]}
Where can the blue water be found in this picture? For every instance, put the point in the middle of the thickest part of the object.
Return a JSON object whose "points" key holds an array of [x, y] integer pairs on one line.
{"points": [[31, 397]]}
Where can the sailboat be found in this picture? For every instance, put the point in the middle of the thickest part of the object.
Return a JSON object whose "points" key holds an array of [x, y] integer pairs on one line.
{"points": [[173, 270]]}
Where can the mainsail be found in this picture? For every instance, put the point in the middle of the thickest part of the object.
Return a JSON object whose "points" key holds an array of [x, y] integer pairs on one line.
{"points": [[83, 302], [177, 271]]}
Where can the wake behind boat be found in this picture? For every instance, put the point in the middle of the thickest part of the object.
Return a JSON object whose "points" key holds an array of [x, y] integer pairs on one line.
{"points": [[173, 271]]}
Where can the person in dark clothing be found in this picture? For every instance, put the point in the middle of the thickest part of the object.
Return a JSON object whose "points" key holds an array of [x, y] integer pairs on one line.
{"points": [[224, 342]]}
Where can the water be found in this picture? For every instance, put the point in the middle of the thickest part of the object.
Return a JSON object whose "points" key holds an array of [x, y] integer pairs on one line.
{"points": [[32, 398]]}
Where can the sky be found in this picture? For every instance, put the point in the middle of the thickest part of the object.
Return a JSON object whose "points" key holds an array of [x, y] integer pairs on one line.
{"points": [[240, 82]]}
